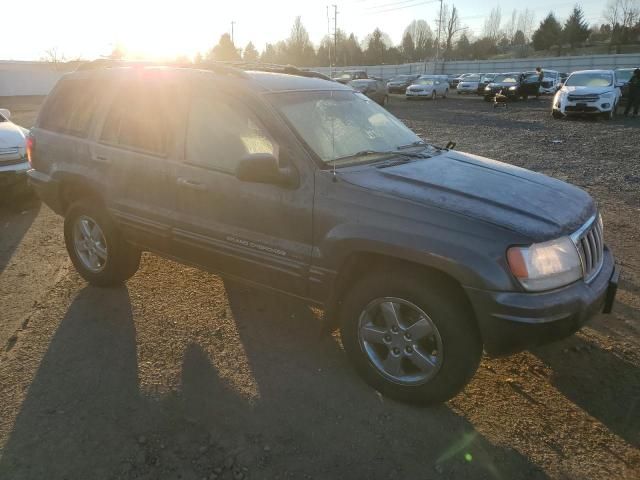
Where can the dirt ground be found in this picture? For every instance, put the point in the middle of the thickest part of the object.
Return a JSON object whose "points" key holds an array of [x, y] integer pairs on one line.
{"points": [[182, 375]]}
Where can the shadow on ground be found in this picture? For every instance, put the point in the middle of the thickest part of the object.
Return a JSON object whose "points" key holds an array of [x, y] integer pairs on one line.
{"points": [[84, 415], [600, 382], [15, 221]]}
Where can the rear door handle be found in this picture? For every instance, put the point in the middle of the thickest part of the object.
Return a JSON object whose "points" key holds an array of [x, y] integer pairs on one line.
{"points": [[185, 182]]}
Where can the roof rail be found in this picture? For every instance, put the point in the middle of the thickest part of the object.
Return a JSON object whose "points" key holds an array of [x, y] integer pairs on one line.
{"points": [[272, 68], [109, 63]]}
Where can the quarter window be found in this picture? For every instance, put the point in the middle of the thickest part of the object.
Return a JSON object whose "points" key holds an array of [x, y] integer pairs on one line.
{"points": [[222, 131], [71, 107]]}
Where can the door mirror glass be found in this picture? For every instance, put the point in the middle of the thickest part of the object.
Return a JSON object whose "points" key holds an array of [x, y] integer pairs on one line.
{"points": [[264, 168]]}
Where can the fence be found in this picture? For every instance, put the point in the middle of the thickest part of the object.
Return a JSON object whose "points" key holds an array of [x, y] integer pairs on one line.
{"points": [[36, 78]]}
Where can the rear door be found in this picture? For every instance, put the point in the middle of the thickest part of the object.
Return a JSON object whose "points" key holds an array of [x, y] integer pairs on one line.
{"points": [[138, 132], [255, 231]]}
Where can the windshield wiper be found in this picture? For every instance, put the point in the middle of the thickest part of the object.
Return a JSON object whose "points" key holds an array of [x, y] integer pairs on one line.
{"points": [[417, 143], [365, 153]]}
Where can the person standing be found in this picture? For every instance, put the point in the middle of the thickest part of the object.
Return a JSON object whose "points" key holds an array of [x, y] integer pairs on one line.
{"points": [[634, 94]]}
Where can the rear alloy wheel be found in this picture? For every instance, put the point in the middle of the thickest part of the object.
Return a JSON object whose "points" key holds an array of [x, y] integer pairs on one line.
{"points": [[96, 247], [408, 338]]}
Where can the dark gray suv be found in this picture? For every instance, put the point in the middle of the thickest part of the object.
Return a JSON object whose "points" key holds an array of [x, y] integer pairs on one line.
{"points": [[423, 256]]}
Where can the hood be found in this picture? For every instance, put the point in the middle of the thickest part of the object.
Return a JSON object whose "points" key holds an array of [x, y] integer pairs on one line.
{"points": [[529, 203], [502, 84], [11, 135], [588, 90], [418, 87]]}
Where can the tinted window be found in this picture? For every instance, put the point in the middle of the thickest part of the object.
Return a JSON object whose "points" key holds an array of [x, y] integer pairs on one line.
{"points": [[222, 131], [140, 116], [71, 107], [589, 79]]}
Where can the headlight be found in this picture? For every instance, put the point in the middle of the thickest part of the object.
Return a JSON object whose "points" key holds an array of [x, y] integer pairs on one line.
{"points": [[487, 88], [547, 265], [513, 88]]}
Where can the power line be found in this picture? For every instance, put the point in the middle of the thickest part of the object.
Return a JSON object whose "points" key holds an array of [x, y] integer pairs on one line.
{"points": [[400, 8]]}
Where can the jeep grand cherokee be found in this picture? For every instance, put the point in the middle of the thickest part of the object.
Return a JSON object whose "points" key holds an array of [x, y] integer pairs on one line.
{"points": [[423, 256]]}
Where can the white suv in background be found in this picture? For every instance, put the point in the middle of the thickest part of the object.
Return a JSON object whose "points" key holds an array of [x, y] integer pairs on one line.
{"points": [[587, 92], [13, 156], [428, 86], [550, 82]]}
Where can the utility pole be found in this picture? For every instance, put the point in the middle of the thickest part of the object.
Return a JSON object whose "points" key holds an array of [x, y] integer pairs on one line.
{"points": [[335, 35], [438, 39], [232, 24], [329, 44]]}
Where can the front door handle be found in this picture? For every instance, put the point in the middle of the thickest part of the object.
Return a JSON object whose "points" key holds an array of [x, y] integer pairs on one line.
{"points": [[185, 182], [101, 159]]}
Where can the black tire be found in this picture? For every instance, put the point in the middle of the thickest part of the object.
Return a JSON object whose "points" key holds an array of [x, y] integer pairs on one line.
{"points": [[610, 115], [487, 98], [434, 95], [446, 92], [122, 259], [461, 341], [556, 114]]}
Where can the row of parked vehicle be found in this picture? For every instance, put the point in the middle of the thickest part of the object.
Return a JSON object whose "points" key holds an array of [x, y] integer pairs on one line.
{"points": [[584, 92]]}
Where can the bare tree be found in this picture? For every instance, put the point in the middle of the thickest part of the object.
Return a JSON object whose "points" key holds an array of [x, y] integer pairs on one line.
{"points": [[622, 13], [511, 26], [52, 55], [525, 23], [422, 37], [492, 24], [451, 27]]}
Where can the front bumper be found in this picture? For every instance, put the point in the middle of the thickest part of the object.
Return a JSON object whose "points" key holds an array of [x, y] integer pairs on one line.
{"points": [[513, 321], [566, 107], [466, 89], [396, 88], [418, 93]]}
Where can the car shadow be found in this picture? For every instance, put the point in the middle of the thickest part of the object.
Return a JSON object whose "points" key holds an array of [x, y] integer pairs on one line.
{"points": [[600, 382], [85, 416], [14, 224]]}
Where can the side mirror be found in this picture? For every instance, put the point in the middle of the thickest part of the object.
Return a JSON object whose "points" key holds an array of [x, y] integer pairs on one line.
{"points": [[264, 168], [5, 113]]}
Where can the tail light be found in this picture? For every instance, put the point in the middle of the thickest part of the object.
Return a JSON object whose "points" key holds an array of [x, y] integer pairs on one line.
{"points": [[31, 147]]}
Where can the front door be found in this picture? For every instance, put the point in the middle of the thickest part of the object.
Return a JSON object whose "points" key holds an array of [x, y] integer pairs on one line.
{"points": [[254, 231]]}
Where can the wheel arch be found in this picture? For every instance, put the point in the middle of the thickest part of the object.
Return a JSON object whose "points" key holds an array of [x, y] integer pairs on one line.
{"points": [[73, 187]]}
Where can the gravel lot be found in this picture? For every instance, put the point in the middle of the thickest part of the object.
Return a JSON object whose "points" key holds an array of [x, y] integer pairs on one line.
{"points": [[182, 375]]}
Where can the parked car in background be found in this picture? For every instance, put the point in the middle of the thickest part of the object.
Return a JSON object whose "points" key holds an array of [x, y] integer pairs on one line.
{"points": [[400, 83], [453, 82], [428, 86], [485, 80], [348, 75], [469, 84], [13, 157], [514, 85], [623, 75], [562, 78], [587, 92], [550, 82], [422, 256], [374, 88]]}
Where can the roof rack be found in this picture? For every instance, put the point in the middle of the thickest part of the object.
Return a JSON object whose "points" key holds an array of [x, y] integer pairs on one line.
{"points": [[104, 63], [235, 68]]}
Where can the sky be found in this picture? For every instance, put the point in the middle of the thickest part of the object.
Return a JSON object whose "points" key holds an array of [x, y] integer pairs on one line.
{"points": [[158, 29]]}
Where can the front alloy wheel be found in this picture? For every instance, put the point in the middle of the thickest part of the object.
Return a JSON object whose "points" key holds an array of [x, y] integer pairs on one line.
{"points": [[400, 341]]}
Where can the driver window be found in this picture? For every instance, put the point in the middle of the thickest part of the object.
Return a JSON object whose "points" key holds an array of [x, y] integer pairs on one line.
{"points": [[221, 132]]}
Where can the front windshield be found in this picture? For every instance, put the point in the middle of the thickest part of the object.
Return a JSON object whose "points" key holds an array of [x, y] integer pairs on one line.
{"points": [[488, 77], [336, 124], [424, 81], [472, 78], [401, 78], [550, 75], [589, 79], [507, 78], [624, 75]]}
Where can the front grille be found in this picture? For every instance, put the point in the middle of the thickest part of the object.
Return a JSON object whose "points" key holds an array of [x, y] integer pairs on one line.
{"points": [[589, 241], [584, 98], [571, 108]]}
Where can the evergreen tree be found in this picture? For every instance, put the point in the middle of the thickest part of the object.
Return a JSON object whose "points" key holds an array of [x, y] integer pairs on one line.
{"points": [[548, 34], [225, 50], [250, 53], [576, 30]]}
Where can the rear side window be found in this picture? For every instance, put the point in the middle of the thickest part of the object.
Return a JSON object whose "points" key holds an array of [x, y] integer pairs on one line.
{"points": [[140, 116], [71, 108]]}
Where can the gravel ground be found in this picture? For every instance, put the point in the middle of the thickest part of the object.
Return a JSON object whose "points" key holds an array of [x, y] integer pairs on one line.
{"points": [[182, 375]]}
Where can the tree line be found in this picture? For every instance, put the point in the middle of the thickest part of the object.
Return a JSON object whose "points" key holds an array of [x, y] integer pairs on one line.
{"points": [[449, 39]]}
